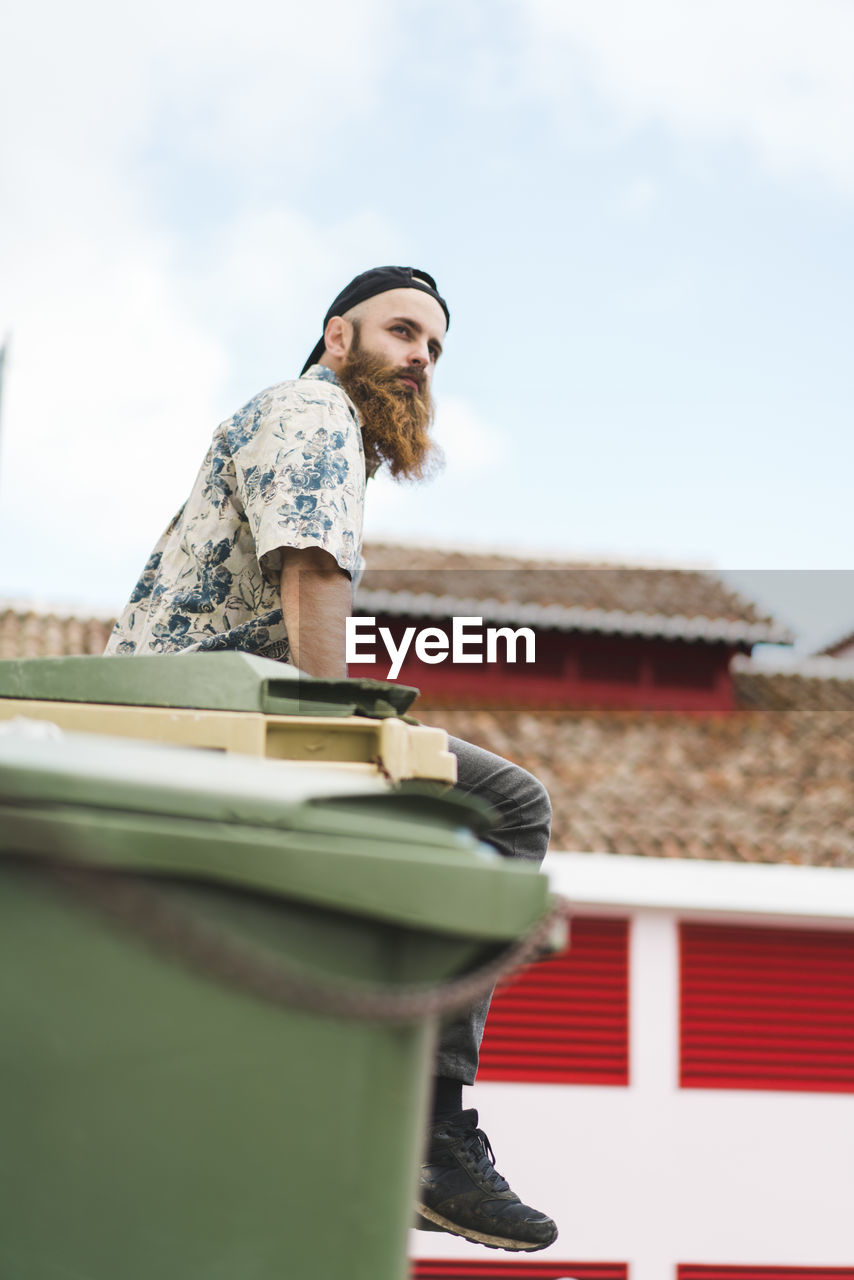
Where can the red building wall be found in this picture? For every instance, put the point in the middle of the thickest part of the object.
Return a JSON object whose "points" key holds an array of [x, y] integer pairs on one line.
{"points": [[571, 669]]}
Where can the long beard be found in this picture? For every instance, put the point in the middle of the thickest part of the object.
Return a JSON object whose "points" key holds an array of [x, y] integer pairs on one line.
{"points": [[395, 419]]}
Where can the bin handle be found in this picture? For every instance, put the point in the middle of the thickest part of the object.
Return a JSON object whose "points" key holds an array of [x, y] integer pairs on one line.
{"points": [[152, 915]]}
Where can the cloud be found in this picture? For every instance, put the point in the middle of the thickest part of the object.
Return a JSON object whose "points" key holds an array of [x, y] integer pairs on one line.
{"points": [[256, 84], [121, 364], [473, 450], [138, 308], [638, 198], [773, 74], [470, 445]]}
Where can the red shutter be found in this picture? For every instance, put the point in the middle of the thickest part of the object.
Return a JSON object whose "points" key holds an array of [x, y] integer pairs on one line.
{"points": [[448, 1269], [566, 1019], [767, 1008], [690, 1272]]}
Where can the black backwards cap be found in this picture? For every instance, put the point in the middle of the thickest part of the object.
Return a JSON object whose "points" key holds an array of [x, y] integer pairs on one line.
{"points": [[368, 285]]}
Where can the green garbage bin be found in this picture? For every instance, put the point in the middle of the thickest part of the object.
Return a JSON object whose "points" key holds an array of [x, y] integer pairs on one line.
{"points": [[164, 1114]]}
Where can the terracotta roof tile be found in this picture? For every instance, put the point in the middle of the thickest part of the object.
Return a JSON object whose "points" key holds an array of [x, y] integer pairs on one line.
{"points": [[794, 690], [30, 632], [748, 786]]}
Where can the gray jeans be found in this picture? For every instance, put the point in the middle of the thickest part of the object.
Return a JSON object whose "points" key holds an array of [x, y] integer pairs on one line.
{"points": [[523, 832]]}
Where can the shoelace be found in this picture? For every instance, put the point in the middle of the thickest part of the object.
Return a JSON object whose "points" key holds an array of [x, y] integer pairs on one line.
{"points": [[481, 1148]]}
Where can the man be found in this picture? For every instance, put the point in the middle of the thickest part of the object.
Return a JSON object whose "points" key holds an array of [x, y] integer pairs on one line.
{"points": [[261, 558]]}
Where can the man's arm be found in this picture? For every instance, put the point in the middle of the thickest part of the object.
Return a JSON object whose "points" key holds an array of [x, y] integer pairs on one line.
{"points": [[316, 601]]}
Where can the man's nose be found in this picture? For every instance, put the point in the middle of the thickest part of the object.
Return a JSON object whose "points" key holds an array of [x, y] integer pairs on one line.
{"points": [[420, 355]]}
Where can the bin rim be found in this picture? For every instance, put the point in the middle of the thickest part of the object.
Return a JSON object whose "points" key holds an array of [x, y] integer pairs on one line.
{"points": [[225, 681], [428, 874], [39, 760]]}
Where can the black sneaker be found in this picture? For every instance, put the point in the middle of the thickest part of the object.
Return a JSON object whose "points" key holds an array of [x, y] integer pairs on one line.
{"points": [[462, 1192]]}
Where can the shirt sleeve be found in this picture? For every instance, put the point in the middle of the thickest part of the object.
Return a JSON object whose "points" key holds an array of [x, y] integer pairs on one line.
{"points": [[300, 474]]}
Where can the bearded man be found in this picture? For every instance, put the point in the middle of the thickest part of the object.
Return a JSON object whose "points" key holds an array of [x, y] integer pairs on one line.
{"points": [[262, 557]]}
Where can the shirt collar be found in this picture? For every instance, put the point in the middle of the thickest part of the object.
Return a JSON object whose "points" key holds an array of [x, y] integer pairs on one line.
{"points": [[321, 373]]}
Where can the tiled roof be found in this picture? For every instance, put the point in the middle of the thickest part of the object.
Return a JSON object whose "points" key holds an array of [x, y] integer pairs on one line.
{"points": [[819, 684], [688, 603], [28, 631], [747, 786]]}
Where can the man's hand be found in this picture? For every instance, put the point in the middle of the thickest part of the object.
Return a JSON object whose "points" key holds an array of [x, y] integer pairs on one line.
{"points": [[316, 602]]}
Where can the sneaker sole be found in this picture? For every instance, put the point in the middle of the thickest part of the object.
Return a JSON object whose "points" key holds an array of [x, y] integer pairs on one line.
{"points": [[438, 1223]]}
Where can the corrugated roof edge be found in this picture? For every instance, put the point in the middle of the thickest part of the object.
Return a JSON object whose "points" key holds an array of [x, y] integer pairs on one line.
{"points": [[818, 667]]}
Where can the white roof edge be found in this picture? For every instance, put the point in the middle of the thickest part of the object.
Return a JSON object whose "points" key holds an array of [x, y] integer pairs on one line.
{"points": [[811, 668], [698, 886], [576, 618]]}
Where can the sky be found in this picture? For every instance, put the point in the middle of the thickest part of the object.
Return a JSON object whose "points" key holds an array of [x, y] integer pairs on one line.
{"points": [[640, 215]]}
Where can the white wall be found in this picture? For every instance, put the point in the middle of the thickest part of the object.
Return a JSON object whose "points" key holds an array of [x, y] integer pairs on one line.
{"points": [[653, 1175]]}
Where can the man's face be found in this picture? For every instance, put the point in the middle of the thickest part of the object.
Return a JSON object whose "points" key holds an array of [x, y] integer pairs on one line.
{"points": [[395, 341], [405, 327]]}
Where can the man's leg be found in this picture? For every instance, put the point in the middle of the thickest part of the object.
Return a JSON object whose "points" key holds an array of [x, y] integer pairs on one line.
{"points": [[461, 1191], [523, 832]]}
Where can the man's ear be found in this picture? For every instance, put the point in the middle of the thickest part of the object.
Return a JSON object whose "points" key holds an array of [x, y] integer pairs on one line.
{"points": [[337, 335]]}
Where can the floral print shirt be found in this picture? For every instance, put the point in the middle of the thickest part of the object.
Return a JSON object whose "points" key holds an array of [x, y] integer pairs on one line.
{"points": [[288, 470]]}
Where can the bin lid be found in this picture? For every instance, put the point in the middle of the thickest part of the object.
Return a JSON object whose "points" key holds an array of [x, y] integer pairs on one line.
{"points": [[227, 681], [315, 833]]}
